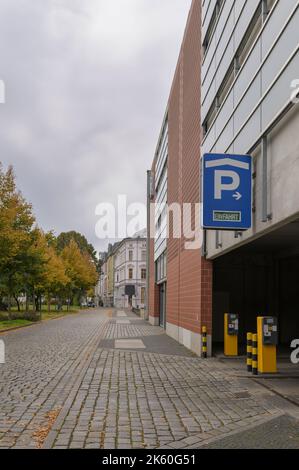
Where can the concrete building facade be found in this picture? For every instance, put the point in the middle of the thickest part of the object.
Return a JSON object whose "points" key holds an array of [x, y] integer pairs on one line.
{"points": [[232, 92], [250, 69]]}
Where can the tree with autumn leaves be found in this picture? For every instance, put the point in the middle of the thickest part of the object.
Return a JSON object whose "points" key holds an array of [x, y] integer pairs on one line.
{"points": [[37, 264]]}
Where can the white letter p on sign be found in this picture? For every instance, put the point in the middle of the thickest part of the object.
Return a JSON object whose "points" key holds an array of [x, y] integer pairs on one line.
{"points": [[220, 186]]}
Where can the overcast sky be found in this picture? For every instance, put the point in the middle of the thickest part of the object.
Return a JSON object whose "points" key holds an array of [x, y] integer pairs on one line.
{"points": [[87, 83]]}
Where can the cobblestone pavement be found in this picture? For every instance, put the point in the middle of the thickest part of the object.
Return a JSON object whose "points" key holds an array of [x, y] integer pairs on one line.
{"points": [[115, 330], [42, 365], [160, 396]]}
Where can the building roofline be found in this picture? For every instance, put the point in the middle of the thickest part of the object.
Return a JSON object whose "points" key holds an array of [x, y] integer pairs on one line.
{"points": [[130, 239]]}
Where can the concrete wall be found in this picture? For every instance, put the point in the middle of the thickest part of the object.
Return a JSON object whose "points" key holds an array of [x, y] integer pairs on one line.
{"points": [[283, 177], [260, 90]]}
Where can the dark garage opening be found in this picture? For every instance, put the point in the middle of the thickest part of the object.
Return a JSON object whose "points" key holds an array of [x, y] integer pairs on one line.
{"points": [[260, 278]]}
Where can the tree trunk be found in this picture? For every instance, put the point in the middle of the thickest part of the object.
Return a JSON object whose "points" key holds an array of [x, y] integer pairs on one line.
{"points": [[49, 302], [33, 301], [40, 307], [18, 303], [69, 300], [36, 300], [27, 302], [9, 306]]}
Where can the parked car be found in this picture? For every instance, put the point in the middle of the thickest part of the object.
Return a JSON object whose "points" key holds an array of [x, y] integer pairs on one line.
{"points": [[91, 304]]}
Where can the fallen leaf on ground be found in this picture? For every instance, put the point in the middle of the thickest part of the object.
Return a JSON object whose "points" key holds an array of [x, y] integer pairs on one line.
{"points": [[40, 435]]}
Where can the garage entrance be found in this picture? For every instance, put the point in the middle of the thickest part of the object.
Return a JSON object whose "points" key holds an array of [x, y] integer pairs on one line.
{"points": [[261, 278]]}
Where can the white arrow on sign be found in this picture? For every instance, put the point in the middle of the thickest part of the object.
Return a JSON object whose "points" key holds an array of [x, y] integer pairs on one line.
{"points": [[237, 196]]}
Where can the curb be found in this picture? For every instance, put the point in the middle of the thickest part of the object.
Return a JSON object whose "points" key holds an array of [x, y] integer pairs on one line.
{"points": [[203, 439], [39, 322], [14, 328], [249, 427]]}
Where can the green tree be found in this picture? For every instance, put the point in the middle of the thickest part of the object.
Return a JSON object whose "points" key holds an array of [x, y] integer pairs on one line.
{"points": [[16, 222], [80, 269], [53, 280], [65, 238], [37, 263]]}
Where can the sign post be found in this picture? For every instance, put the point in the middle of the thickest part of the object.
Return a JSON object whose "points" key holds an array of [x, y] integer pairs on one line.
{"points": [[227, 192]]}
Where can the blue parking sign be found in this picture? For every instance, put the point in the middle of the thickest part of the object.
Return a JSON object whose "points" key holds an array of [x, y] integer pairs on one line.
{"points": [[226, 191]]}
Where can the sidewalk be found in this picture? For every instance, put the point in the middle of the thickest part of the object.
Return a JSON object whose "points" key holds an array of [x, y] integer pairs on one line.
{"points": [[107, 379], [144, 390]]}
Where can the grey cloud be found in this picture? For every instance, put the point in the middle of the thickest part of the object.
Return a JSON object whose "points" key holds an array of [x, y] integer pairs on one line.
{"points": [[87, 85]]}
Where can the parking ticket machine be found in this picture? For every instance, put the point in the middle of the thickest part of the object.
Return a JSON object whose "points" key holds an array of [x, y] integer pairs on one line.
{"points": [[231, 332], [267, 332]]}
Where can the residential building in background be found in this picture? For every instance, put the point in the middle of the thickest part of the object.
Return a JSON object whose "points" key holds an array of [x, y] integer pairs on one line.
{"points": [[110, 274], [232, 93], [105, 287], [130, 273], [101, 289]]}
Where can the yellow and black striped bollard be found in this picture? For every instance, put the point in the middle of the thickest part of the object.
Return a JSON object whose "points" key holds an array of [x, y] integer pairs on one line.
{"points": [[254, 355], [204, 342], [249, 352]]}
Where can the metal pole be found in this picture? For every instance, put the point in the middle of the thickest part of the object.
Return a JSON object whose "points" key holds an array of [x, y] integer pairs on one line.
{"points": [[254, 355], [204, 347], [149, 178], [249, 352]]}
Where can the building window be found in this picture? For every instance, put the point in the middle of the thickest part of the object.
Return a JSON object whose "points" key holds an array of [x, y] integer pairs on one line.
{"points": [[212, 25], [130, 273], [239, 59], [250, 36], [143, 273], [130, 255], [142, 295], [161, 264], [143, 255]]}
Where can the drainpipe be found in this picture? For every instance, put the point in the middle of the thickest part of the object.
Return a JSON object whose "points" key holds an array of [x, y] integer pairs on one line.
{"points": [[148, 228]]}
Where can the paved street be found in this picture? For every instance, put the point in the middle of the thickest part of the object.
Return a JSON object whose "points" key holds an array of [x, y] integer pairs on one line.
{"points": [[106, 379]]}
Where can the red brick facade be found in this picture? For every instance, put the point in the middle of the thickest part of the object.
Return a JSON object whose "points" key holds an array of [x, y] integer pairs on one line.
{"points": [[189, 275]]}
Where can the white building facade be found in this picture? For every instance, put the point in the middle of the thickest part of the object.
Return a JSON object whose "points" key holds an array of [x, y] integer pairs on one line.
{"points": [[130, 273]]}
